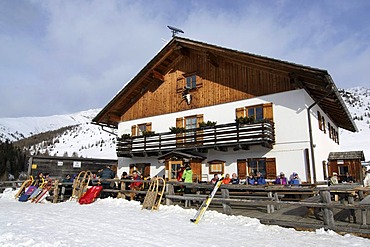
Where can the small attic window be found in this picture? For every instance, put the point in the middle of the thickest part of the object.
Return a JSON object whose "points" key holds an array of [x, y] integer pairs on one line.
{"points": [[191, 81]]}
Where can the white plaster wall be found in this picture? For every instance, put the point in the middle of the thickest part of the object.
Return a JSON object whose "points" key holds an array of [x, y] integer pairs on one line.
{"points": [[291, 134]]}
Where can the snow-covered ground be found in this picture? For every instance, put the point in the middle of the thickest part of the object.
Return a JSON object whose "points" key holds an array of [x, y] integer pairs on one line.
{"points": [[117, 222]]}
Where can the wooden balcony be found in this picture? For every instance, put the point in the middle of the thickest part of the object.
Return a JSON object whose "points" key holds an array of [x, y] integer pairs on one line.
{"points": [[219, 137]]}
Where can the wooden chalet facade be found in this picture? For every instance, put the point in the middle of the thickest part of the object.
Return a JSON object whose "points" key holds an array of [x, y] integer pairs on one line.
{"points": [[225, 111], [350, 161]]}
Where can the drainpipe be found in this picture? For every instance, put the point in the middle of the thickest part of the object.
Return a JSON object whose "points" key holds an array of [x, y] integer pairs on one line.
{"points": [[310, 132]]}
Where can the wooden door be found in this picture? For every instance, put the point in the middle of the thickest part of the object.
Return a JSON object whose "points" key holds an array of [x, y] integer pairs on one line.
{"points": [[196, 167], [242, 169]]}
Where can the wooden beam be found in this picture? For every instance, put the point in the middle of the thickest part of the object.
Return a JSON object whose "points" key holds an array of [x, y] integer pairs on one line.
{"points": [[157, 75], [212, 58]]}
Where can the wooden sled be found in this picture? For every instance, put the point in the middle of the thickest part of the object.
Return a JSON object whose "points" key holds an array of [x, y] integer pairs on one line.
{"points": [[80, 184], [24, 185], [42, 194], [154, 194]]}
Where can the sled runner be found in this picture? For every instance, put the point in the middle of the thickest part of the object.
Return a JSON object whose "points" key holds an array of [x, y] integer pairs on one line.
{"points": [[24, 185], [80, 184], [202, 209], [37, 190], [90, 195], [154, 194]]}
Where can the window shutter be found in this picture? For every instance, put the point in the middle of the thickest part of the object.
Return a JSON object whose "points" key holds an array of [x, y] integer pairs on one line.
{"points": [[199, 120], [239, 112], [270, 168], [148, 126], [319, 119], [242, 169], [133, 130], [268, 112], [180, 122]]}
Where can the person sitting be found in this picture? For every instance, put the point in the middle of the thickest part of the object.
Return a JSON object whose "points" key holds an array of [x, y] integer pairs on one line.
{"points": [[250, 179], [67, 179], [281, 179], [234, 179], [259, 180], [295, 180], [348, 179], [227, 179], [334, 179], [215, 179]]}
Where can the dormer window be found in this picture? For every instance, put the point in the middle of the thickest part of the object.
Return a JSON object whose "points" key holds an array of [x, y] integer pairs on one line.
{"points": [[191, 82]]}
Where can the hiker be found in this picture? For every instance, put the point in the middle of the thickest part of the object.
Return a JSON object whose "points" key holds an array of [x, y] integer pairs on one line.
{"points": [[39, 180], [67, 179], [294, 179], [250, 179], [106, 173], [334, 179], [367, 179], [215, 179], [227, 179], [187, 177], [281, 179], [135, 186], [234, 179], [348, 179], [260, 180]]}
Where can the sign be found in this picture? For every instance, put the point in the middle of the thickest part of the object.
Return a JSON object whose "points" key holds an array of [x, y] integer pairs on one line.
{"points": [[34, 166], [76, 164], [340, 162], [60, 163]]}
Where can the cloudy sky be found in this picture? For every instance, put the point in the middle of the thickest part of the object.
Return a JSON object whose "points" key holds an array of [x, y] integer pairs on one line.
{"points": [[60, 57]]}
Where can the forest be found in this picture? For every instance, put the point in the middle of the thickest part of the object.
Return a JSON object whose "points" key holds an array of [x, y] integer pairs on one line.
{"points": [[13, 161]]}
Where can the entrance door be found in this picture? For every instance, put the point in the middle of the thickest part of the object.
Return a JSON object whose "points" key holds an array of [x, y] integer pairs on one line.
{"points": [[173, 169], [196, 167], [242, 169]]}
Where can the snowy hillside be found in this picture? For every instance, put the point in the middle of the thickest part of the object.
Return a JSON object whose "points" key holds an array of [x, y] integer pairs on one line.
{"points": [[82, 139], [358, 103], [88, 140]]}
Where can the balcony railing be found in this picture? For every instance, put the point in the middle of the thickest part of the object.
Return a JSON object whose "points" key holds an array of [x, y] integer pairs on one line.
{"points": [[220, 137]]}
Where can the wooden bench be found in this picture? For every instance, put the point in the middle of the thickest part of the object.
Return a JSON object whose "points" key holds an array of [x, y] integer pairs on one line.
{"points": [[365, 201]]}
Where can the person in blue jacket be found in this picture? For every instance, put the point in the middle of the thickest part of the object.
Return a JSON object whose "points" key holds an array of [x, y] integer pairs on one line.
{"points": [[250, 179], [259, 179], [294, 179]]}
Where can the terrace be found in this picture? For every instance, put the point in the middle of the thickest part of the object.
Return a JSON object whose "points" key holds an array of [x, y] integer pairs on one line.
{"points": [[219, 137]]}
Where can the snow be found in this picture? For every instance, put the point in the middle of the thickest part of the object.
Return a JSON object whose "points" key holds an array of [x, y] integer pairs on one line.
{"points": [[117, 222]]}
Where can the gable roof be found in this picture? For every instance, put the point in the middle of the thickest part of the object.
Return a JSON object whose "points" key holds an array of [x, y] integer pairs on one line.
{"points": [[349, 155], [317, 82]]}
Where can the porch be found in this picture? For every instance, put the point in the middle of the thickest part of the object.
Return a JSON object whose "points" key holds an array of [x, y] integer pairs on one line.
{"points": [[219, 137]]}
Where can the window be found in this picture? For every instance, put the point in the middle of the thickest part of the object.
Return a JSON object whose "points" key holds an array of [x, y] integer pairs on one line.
{"points": [[216, 167], [342, 170], [257, 165], [138, 130], [259, 112], [256, 112], [190, 123], [191, 82], [175, 169], [142, 168]]}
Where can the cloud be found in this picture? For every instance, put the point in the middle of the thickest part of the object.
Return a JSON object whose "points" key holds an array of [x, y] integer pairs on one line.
{"points": [[76, 55]]}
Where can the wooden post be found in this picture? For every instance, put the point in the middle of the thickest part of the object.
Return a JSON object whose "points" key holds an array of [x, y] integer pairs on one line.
{"points": [[351, 201], [225, 204], [328, 212], [276, 198], [270, 208], [56, 191], [169, 191]]}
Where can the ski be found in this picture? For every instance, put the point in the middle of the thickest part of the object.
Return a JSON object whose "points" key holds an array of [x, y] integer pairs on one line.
{"points": [[202, 209]]}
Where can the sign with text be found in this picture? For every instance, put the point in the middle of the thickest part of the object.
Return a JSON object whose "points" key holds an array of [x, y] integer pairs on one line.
{"points": [[76, 164]]}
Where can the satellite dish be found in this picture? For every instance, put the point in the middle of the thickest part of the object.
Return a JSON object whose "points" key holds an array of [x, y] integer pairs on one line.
{"points": [[175, 30]]}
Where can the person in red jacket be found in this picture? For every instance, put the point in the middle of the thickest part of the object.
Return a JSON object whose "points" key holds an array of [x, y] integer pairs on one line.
{"points": [[135, 185]]}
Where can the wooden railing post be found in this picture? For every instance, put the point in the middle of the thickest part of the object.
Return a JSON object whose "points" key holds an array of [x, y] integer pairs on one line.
{"points": [[226, 205], [328, 215], [270, 208], [169, 191]]}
